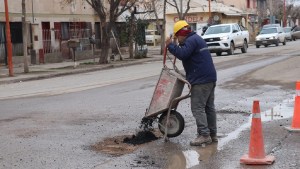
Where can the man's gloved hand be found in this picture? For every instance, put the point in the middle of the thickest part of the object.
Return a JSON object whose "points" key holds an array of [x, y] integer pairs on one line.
{"points": [[171, 39], [168, 40]]}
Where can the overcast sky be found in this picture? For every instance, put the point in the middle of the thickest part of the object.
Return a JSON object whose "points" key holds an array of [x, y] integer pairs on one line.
{"points": [[297, 2]]}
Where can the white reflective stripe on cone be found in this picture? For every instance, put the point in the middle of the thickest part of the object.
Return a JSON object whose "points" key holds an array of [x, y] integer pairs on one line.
{"points": [[256, 115], [297, 92]]}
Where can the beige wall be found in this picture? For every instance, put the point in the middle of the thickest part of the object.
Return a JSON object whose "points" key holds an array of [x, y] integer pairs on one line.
{"points": [[47, 10], [241, 4], [194, 18], [47, 6], [198, 20]]}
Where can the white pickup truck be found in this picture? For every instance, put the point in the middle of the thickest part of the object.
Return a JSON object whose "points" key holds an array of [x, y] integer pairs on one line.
{"points": [[226, 38]]}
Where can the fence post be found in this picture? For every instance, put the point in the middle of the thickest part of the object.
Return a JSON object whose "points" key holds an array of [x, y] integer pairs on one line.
{"points": [[41, 56]]}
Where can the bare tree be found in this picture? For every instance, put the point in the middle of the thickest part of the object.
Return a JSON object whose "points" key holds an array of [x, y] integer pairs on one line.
{"points": [[179, 8], [25, 35], [290, 10], [108, 12], [293, 11]]}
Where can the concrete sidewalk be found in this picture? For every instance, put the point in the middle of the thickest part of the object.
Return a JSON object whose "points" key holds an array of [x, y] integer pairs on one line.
{"points": [[42, 71]]}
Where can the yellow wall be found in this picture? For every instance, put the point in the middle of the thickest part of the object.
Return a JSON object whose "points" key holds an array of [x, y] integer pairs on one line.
{"points": [[194, 18]]}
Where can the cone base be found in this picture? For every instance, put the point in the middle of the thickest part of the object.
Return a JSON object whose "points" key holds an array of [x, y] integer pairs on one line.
{"points": [[257, 161], [291, 129]]}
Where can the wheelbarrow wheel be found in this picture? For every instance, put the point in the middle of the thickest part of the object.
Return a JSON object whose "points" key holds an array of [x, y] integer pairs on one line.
{"points": [[176, 123]]}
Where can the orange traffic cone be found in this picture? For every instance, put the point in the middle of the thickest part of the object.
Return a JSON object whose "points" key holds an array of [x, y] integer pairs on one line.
{"points": [[296, 118], [256, 147]]}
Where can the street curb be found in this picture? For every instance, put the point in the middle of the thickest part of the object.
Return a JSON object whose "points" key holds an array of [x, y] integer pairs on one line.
{"points": [[77, 71]]}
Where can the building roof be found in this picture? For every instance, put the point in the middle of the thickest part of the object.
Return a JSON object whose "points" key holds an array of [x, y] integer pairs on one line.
{"points": [[196, 6], [203, 6]]}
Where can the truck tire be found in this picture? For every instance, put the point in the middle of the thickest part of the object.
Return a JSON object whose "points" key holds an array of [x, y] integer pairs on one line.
{"points": [[284, 42], [277, 43], [245, 46], [219, 53], [257, 46], [231, 50]]}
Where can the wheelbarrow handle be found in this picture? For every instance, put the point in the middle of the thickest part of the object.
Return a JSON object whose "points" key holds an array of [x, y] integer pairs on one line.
{"points": [[165, 57]]}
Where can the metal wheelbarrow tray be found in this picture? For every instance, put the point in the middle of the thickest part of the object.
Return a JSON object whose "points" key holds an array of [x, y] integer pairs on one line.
{"points": [[166, 96]]}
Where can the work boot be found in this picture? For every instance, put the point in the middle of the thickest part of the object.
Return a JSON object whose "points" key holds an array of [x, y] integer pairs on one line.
{"points": [[200, 140], [214, 138]]}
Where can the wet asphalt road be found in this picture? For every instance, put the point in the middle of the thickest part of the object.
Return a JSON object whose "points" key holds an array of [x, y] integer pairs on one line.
{"points": [[55, 127]]}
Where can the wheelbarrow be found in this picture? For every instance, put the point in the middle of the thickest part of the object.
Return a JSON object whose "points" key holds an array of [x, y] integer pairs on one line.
{"points": [[165, 99]]}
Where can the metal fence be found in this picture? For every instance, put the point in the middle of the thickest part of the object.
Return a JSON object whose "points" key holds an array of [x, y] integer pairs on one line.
{"points": [[53, 39], [17, 50]]}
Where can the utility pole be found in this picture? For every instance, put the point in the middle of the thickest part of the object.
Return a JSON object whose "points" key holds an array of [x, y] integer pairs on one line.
{"points": [[209, 12], [24, 31], [284, 14], [32, 11], [8, 41], [181, 11], [271, 12]]}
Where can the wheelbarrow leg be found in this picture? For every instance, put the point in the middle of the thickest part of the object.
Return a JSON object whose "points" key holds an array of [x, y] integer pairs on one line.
{"points": [[167, 124]]}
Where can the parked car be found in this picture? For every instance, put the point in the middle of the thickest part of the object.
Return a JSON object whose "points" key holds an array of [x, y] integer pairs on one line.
{"points": [[271, 25], [296, 33], [269, 36], [288, 33], [226, 38], [152, 37]]}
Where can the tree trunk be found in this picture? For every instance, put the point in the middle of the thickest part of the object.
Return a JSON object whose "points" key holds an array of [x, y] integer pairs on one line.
{"points": [[163, 35], [25, 35], [105, 44], [130, 39]]}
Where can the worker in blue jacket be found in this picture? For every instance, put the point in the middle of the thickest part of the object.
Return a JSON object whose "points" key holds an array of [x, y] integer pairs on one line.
{"points": [[192, 50]]}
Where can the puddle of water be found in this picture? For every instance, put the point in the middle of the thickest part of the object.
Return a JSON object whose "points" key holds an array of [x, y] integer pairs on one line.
{"points": [[191, 157], [281, 111], [125, 144]]}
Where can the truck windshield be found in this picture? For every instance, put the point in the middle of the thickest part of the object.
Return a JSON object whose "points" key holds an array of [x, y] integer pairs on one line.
{"points": [[287, 29], [268, 31], [218, 29]]}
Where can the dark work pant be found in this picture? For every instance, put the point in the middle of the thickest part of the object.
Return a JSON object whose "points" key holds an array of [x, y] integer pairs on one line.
{"points": [[203, 108]]}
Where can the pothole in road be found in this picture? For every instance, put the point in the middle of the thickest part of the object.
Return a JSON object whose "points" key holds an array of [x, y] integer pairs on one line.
{"points": [[125, 144], [120, 145]]}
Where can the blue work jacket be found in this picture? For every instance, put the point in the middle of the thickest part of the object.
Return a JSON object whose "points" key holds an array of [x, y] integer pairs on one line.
{"points": [[196, 59]]}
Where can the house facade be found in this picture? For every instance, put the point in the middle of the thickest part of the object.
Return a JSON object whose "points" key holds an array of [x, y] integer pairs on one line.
{"points": [[50, 25], [202, 14], [252, 9]]}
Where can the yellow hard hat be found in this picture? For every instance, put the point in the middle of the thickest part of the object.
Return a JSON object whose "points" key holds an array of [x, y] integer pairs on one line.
{"points": [[179, 25]]}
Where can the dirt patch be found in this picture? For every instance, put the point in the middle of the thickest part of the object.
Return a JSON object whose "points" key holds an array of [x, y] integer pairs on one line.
{"points": [[126, 144], [114, 146]]}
